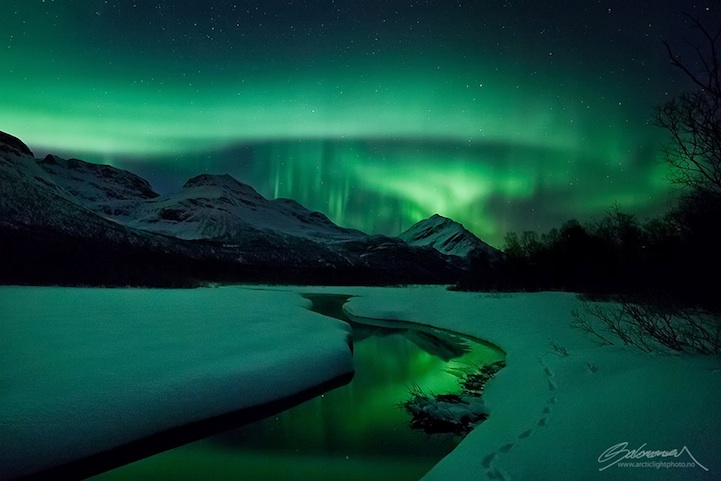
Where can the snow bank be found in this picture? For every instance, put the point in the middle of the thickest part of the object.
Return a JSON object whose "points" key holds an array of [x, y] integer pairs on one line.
{"points": [[85, 370], [551, 416]]}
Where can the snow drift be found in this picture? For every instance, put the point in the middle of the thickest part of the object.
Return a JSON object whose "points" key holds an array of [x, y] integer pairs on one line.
{"points": [[88, 370]]}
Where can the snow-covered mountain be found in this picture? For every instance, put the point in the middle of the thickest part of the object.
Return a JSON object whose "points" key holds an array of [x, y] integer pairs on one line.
{"points": [[29, 196], [212, 207], [218, 207], [48, 237], [70, 221], [100, 188], [446, 236]]}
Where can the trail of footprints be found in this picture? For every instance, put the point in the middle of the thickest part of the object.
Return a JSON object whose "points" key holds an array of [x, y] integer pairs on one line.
{"points": [[487, 462]]}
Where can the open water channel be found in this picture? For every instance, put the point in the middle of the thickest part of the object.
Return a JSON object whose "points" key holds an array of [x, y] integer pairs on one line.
{"points": [[355, 432]]}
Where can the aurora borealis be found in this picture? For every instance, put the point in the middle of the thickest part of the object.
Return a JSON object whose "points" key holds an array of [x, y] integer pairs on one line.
{"points": [[503, 115]]}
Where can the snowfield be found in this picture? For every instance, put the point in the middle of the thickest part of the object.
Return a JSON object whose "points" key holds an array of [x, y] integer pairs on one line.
{"points": [[555, 417], [138, 361], [86, 370]]}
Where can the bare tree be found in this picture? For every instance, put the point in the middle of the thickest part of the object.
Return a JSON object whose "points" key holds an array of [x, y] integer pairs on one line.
{"points": [[694, 118]]}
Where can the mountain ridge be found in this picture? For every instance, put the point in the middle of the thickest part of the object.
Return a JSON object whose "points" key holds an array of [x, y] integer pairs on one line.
{"points": [[222, 208], [73, 222]]}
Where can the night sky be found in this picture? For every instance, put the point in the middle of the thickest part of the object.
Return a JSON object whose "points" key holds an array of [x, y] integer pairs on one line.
{"points": [[504, 115]]}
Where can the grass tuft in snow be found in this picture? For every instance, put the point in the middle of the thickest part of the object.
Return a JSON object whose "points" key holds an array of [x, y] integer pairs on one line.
{"points": [[474, 382], [559, 349], [452, 413]]}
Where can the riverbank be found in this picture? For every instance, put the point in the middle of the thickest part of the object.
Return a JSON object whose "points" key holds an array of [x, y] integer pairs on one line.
{"points": [[88, 373], [554, 411]]}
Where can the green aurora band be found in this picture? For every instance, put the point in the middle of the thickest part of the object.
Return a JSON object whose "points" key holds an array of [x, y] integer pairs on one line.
{"points": [[378, 118]]}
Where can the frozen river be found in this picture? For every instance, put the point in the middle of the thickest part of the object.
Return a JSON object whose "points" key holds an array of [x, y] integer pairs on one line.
{"points": [[357, 431]]}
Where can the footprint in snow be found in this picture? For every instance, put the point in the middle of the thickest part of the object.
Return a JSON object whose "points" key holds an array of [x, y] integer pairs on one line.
{"points": [[507, 447], [497, 474], [525, 434]]}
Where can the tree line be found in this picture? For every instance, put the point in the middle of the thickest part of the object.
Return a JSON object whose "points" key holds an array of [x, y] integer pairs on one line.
{"points": [[677, 254]]}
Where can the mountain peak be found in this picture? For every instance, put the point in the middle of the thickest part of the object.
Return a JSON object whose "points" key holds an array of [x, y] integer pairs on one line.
{"points": [[13, 143], [211, 179], [224, 181], [98, 187], [445, 235], [439, 219]]}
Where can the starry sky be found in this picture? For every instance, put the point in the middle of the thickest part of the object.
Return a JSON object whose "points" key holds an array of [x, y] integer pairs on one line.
{"points": [[501, 114]]}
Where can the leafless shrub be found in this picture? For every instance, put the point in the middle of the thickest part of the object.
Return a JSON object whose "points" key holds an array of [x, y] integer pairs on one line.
{"points": [[650, 325], [584, 324]]}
